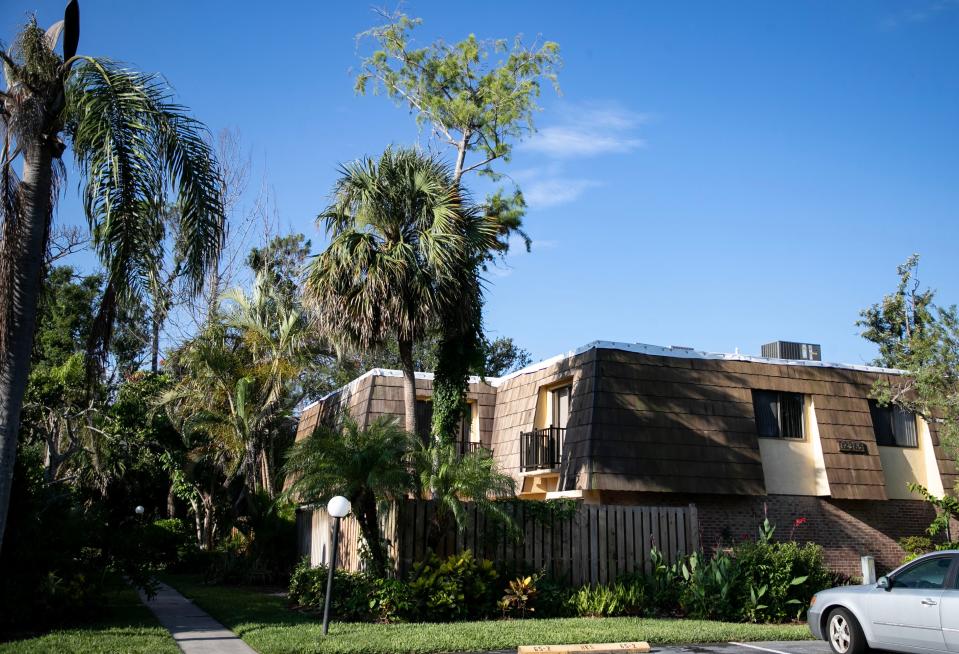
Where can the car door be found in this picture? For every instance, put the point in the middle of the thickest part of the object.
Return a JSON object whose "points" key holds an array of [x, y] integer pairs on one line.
{"points": [[949, 610], [908, 613]]}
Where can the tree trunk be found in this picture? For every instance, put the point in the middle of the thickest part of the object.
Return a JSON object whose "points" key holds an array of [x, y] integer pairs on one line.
{"points": [[460, 158], [214, 292], [171, 502], [155, 342], [27, 259], [266, 476], [370, 527], [409, 385]]}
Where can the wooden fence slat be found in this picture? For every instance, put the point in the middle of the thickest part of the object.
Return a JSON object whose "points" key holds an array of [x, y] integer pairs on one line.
{"points": [[664, 535], [692, 518], [671, 525]]}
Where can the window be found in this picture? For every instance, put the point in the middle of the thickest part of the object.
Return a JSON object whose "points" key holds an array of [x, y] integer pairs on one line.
{"points": [[929, 574], [779, 415], [893, 425], [466, 423], [424, 419], [560, 406]]}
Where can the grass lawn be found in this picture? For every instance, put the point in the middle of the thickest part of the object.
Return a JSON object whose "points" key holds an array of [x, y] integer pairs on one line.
{"points": [[126, 627], [263, 621]]}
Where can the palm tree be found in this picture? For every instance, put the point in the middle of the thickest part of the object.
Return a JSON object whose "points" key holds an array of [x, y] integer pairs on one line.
{"points": [[238, 379], [369, 467], [452, 479], [132, 143], [401, 234]]}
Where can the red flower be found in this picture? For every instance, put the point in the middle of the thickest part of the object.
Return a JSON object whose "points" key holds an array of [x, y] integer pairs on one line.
{"points": [[799, 521]]}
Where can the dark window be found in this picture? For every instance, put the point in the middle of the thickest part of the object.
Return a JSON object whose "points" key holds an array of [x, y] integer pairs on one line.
{"points": [[424, 419], [778, 415], [561, 406], [929, 574], [893, 425]]}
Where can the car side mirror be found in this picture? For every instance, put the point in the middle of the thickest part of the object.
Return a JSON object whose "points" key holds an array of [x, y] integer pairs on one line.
{"points": [[884, 583]]}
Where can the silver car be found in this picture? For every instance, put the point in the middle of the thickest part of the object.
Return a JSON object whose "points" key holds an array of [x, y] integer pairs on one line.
{"points": [[914, 608]]}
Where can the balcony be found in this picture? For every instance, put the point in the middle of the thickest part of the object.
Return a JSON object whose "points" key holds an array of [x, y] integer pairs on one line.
{"points": [[468, 447], [541, 449]]}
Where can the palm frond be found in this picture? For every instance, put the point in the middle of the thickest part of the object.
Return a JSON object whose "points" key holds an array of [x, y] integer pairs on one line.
{"points": [[401, 237], [131, 142]]}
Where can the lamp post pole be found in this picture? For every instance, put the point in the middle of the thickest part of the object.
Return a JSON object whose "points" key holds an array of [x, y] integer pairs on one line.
{"points": [[329, 577], [337, 508]]}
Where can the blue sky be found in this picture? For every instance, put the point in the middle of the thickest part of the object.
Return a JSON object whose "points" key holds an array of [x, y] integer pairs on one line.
{"points": [[715, 175]]}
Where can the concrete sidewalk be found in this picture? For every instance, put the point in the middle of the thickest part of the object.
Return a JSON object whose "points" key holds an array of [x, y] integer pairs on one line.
{"points": [[192, 628]]}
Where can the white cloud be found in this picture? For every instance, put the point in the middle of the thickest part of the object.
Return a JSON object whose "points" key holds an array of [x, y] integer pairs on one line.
{"points": [[579, 142], [589, 130], [555, 191], [919, 14]]}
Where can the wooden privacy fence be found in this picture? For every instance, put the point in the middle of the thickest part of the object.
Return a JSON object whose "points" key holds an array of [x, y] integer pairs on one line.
{"points": [[594, 544]]}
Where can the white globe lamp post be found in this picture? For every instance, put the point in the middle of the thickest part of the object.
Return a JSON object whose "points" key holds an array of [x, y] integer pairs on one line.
{"points": [[338, 507]]}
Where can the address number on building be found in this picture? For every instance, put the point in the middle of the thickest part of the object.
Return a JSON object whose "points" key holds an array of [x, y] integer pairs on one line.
{"points": [[853, 447]]}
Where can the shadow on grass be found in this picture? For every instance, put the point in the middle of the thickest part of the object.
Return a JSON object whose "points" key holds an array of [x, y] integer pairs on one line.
{"points": [[122, 624]]}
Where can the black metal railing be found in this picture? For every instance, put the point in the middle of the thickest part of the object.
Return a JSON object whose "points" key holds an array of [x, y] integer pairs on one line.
{"points": [[541, 449], [469, 447]]}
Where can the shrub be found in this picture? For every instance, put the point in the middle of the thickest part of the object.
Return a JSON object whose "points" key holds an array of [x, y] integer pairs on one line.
{"points": [[391, 600], [625, 597], [710, 585], [664, 584], [553, 598], [779, 579], [915, 546], [59, 550], [169, 542], [457, 588], [519, 596], [351, 597], [260, 548]]}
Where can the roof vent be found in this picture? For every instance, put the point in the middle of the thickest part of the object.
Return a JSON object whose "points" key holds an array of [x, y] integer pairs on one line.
{"points": [[790, 350]]}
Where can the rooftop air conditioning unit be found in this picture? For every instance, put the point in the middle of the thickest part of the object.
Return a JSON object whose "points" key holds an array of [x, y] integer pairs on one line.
{"points": [[790, 350]]}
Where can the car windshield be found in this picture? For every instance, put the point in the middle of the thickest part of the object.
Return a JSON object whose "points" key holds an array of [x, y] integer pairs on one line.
{"points": [[927, 574]]}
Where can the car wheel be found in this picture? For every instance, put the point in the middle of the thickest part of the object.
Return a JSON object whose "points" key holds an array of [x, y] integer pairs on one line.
{"points": [[844, 634]]}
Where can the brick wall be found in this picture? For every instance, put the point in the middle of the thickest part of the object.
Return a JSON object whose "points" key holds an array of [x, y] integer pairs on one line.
{"points": [[846, 529]]}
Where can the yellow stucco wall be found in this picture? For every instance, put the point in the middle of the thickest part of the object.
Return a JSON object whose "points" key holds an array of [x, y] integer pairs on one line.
{"points": [[904, 465], [793, 466]]}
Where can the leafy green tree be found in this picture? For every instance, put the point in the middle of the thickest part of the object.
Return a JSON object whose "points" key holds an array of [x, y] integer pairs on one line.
{"points": [[476, 108], [131, 143], [66, 313], [368, 466], [502, 356], [137, 438], [401, 239], [920, 337], [470, 105], [283, 259], [61, 412], [451, 479]]}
